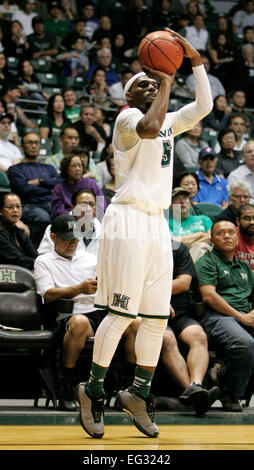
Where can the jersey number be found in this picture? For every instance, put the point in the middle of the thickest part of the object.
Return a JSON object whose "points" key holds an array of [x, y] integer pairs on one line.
{"points": [[166, 154]]}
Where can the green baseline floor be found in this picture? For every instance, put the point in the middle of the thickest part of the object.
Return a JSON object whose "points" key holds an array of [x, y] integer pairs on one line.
{"points": [[46, 416]]}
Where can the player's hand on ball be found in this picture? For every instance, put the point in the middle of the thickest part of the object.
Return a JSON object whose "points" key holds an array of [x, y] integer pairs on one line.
{"points": [[158, 75], [189, 50]]}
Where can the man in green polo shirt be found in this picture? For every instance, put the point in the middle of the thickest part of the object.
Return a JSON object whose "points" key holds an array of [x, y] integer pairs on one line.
{"points": [[226, 283]]}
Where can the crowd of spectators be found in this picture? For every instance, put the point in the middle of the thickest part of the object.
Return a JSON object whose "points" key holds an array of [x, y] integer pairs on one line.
{"points": [[63, 68]]}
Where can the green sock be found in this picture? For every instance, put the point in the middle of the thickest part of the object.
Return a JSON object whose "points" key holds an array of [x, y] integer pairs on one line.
{"points": [[95, 385], [142, 381]]}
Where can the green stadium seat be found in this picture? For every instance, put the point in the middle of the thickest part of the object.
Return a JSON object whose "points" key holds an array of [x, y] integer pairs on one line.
{"points": [[41, 65], [73, 82], [209, 209], [12, 63], [4, 183], [48, 78]]}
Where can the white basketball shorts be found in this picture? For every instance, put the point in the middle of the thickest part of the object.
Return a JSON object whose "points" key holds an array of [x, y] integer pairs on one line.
{"points": [[135, 263]]}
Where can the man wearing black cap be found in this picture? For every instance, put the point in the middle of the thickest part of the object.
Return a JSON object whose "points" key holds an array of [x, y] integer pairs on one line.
{"points": [[9, 153], [67, 274], [42, 43], [212, 188]]}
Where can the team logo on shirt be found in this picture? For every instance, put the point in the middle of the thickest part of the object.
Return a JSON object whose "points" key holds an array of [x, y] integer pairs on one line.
{"points": [[121, 301], [166, 157]]}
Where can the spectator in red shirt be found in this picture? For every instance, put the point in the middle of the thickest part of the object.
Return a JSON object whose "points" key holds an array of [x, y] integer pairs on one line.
{"points": [[245, 233]]}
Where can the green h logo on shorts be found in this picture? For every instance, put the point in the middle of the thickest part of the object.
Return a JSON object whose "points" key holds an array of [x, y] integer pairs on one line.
{"points": [[121, 301], [7, 275]]}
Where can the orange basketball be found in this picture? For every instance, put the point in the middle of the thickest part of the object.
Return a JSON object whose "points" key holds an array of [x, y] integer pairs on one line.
{"points": [[160, 51]]}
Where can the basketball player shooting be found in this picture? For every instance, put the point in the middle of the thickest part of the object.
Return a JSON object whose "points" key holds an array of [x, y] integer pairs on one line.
{"points": [[135, 262]]}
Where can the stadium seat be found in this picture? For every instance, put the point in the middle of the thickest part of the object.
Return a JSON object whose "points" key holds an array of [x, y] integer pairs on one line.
{"points": [[46, 149], [12, 63], [48, 78], [24, 330], [73, 82], [41, 65], [4, 183], [209, 209]]}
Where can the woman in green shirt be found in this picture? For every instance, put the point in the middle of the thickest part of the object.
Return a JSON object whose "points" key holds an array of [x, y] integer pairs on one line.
{"points": [[55, 120]]}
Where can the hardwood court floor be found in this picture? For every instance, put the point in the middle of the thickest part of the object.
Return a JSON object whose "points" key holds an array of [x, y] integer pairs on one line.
{"points": [[174, 437]]}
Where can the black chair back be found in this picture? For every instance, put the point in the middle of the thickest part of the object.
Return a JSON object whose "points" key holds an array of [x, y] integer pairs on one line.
{"points": [[19, 301]]}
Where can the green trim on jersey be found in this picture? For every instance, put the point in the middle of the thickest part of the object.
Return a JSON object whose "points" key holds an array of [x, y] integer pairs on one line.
{"points": [[104, 307]]}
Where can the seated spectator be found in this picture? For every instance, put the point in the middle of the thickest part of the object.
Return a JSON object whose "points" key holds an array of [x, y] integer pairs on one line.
{"points": [[29, 85], [33, 182], [55, 120], [72, 171], [216, 86], [119, 47], [74, 61], [225, 285], [104, 176], [68, 140], [245, 234], [228, 159], [110, 188], [221, 53], [10, 94], [92, 136], [218, 117], [245, 172], [55, 24], [72, 109], [238, 105], [192, 230], [83, 207], [189, 181], [88, 163], [13, 136], [101, 118], [116, 91], [104, 59], [189, 373], [105, 29], [243, 17], [15, 246], [187, 148], [41, 43], [212, 188], [67, 274], [7, 9], [88, 14], [66, 10], [97, 89], [5, 75], [25, 15], [15, 44], [197, 33], [163, 16], [239, 195], [9, 153], [237, 123]]}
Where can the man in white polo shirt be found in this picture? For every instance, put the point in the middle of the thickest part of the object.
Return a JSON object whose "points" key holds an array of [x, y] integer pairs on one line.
{"points": [[9, 153], [69, 274]]}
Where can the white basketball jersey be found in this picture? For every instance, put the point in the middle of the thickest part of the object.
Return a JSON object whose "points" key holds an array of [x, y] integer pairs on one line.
{"points": [[144, 171]]}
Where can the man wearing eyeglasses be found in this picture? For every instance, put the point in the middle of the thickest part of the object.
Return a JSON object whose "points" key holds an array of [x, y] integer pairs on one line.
{"points": [[239, 195], [33, 182], [9, 153]]}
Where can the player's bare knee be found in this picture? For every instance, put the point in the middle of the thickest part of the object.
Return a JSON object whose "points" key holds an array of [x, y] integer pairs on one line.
{"points": [[78, 325], [169, 341]]}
